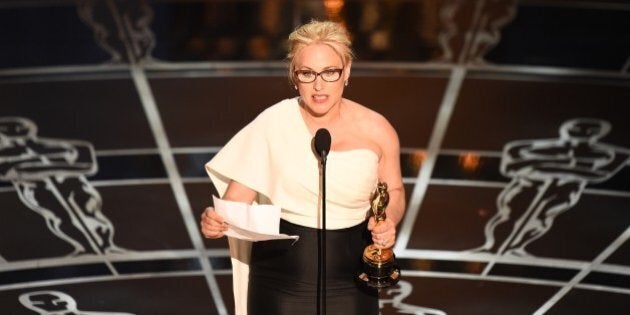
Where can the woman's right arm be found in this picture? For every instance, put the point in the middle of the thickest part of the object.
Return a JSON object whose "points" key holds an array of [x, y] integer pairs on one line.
{"points": [[212, 224]]}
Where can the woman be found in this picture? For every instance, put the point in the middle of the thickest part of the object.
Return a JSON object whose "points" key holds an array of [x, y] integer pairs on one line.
{"points": [[271, 161]]}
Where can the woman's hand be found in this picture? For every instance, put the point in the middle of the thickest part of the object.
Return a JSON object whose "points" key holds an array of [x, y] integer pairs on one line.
{"points": [[212, 224], [383, 232]]}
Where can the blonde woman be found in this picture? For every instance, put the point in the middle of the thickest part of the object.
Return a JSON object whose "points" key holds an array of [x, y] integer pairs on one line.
{"points": [[271, 161]]}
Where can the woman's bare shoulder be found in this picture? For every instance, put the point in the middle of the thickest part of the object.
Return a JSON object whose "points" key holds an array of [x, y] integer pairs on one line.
{"points": [[369, 120]]}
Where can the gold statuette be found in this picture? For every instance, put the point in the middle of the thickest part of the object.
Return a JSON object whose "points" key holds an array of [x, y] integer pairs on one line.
{"points": [[379, 265]]}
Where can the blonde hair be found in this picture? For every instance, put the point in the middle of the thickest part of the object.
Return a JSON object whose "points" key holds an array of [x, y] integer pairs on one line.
{"points": [[319, 32]]}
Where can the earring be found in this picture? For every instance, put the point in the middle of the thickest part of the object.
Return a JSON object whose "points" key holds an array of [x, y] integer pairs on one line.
{"points": [[295, 87], [345, 83]]}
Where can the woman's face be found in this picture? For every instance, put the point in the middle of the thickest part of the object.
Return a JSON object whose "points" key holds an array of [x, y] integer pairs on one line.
{"points": [[320, 96]]}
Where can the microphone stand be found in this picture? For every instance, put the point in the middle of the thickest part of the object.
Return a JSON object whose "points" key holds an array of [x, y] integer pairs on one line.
{"points": [[322, 143], [323, 238]]}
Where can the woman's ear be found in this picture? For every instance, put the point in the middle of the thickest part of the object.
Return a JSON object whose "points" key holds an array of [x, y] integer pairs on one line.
{"points": [[346, 73]]}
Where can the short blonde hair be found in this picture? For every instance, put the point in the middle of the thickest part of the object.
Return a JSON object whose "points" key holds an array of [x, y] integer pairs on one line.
{"points": [[319, 32]]}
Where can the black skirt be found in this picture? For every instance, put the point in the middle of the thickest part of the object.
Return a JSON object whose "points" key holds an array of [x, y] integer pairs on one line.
{"points": [[283, 277]]}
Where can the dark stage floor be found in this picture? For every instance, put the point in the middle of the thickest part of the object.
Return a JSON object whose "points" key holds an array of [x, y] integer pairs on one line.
{"points": [[513, 119]]}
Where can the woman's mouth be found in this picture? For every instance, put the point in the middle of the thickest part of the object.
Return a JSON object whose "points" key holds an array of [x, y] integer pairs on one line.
{"points": [[319, 98]]}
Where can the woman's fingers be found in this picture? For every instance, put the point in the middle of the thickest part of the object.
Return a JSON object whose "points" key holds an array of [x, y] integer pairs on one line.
{"points": [[384, 234], [384, 242], [212, 224]]}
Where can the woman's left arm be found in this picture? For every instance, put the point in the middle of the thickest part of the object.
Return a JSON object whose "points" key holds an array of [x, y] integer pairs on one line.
{"points": [[389, 171]]}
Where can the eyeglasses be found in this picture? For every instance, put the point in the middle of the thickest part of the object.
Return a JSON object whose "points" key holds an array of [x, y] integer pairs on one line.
{"points": [[308, 76]]}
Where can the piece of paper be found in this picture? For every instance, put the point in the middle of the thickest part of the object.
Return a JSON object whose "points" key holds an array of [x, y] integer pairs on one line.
{"points": [[251, 222]]}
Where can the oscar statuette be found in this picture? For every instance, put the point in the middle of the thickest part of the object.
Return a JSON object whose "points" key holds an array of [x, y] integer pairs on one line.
{"points": [[379, 265]]}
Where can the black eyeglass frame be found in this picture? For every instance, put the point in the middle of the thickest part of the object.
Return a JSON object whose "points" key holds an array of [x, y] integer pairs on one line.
{"points": [[318, 74]]}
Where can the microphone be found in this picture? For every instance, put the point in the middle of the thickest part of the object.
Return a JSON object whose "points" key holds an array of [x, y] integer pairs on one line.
{"points": [[322, 143], [322, 147]]}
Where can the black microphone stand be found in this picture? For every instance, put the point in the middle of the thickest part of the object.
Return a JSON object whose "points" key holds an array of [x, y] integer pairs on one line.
{"points": [[322, 143], [323, 238]]}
